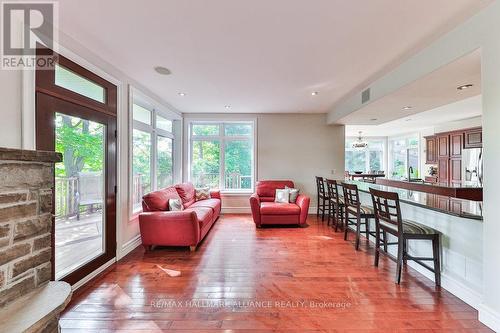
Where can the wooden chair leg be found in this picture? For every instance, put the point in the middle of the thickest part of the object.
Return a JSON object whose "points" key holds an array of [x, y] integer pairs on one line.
{"points": [[192, 248], [323, 204], [377, 247], [329, 215], [317, 206], [437, 260], [336, 217], [346, 224], [399, 262], [385, 241], [405, 251], [358, 232], [367, 229]]}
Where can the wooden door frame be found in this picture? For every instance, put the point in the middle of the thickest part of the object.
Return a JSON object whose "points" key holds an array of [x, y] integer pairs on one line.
{"points": [[48, 99]]}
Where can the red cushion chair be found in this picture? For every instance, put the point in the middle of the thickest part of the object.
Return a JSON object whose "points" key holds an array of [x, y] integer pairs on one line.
{"points": [[266, 211], [188, 227]]}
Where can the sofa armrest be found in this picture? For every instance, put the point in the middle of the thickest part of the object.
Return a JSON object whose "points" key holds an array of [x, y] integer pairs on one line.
{"points": [[215, 194], [169, 228], [303, 202], [255, 207]]}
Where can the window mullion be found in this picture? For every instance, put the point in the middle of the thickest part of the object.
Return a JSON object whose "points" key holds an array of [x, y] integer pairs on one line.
{"points": [[222, 174]]}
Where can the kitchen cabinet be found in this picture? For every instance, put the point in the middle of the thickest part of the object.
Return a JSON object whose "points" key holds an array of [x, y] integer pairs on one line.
{"points": [[430, 150], [443, 146], [443, 172], [473, 138], [455, 172], [456, 144]]}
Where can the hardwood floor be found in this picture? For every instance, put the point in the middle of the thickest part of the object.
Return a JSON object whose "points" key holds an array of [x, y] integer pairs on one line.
{"points": [[243, 279]]}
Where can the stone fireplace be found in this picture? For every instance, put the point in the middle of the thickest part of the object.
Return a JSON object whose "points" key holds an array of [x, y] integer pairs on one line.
{"points": [[26, 187]]}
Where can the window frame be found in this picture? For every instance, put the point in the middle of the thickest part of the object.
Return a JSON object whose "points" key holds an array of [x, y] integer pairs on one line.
{"points": [[382, 140], [138, 98], [407, 147], [222, 139]]}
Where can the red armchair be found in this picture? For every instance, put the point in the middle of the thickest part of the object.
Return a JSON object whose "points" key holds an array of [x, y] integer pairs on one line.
{"points": [[266, 211], [188, 227]]}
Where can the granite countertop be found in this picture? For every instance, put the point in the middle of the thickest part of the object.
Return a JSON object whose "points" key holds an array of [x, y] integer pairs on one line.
{"points": [[458, 207]]}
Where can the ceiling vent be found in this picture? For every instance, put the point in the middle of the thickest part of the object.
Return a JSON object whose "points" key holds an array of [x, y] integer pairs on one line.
{"points": [[365, 96]]}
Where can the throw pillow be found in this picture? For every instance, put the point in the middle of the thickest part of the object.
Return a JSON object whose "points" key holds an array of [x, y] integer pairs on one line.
{"points": [[282, 195], [202, 193], [175, 205], [294, 193]]}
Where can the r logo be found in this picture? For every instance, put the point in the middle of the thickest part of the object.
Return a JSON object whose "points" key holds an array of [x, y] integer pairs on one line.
{"points": [[24, 24]]}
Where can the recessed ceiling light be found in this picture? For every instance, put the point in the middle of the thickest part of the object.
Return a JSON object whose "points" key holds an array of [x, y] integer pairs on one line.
{"points": [[408, 107], [227, 106], [314, 93], [374, 119], [465, 86], [408, 119], [182, 94], [162, 70]]}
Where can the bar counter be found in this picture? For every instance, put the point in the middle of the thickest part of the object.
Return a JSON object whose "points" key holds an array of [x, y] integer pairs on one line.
{"points": [[460, 224], [453, 206]]}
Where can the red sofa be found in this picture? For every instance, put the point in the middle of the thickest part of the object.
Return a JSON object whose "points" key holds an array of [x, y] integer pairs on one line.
{"points": [[188, 227], [266, 211]]}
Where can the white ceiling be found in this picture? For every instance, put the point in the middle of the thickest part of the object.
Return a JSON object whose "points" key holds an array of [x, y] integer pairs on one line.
{"points": [[431, 91], [258, 55], [461, 110]]}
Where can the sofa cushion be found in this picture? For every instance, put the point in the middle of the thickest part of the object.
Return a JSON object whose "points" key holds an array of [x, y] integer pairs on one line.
{"points": [[214, 204], [158, 200], [187, 193], [267, 188], [204, 215], [202, 193], [275, 208]]}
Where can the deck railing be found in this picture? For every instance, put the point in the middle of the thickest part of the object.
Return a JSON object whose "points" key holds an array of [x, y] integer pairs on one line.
{"points": [[231, 181], [66, 198]]}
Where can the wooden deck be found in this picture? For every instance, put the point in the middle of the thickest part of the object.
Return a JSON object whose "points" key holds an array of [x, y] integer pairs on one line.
{"points": [[77, 241], [244, 279]]}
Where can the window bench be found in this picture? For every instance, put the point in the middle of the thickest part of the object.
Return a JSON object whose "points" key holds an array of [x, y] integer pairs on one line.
{"points": [[37, 311]]}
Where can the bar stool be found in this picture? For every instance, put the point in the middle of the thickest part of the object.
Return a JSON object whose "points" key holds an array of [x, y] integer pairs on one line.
{"points": [[388, 220], [361, 213], [323, 199], [336, 204]]}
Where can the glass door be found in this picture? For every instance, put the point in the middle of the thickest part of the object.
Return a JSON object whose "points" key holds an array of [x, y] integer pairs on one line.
{"points": [[79, 192], [76, 116]]}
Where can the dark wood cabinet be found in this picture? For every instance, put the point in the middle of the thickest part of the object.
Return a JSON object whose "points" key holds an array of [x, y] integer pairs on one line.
{"points": [[443, 165], [473, 138], [456, 144], [430, 150], [455, 172], [443, 146]]}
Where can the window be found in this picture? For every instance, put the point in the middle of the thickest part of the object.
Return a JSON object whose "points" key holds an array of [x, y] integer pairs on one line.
{"points": [[222, 155], [152, 151], [69, 80], [404, 157], [366, 160]]}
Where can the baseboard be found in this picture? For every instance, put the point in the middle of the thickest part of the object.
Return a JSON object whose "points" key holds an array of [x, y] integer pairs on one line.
{"points": [[466, 294], [129, 246], [246, 210], [236, 210], [489, 317], [92, 275]]}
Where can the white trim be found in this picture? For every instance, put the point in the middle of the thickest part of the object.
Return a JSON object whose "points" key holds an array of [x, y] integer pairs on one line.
{"points": [[466, 294], [221, 138], [92, 275], [247, 210], [138, 97], [129, 246], [236, 210], [489, 317]]}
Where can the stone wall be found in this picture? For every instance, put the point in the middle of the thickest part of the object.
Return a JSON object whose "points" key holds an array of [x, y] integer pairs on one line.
{"points": [[26, 185]]}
